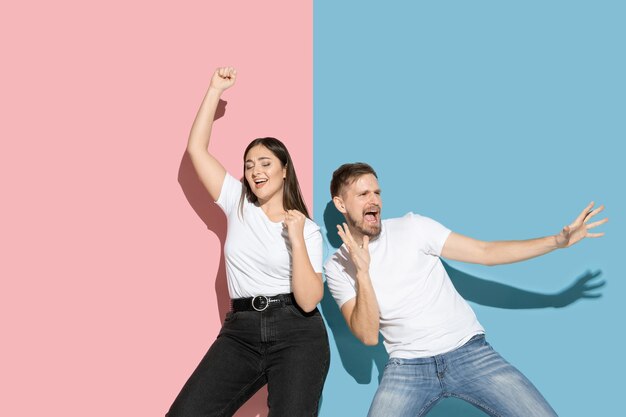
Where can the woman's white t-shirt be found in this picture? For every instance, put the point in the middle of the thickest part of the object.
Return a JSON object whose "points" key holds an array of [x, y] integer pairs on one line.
{"points": [[257, 250]]}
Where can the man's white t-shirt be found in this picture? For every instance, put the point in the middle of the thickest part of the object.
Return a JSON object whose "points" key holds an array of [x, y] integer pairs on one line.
{"points": [[257, 250], [421, 313]]}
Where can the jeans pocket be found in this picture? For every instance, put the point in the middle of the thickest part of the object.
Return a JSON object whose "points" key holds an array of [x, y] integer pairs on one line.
{"points": [[296, 311], [230, 317], [393, 362]]}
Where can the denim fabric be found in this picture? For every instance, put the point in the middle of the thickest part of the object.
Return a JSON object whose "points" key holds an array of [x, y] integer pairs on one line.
{"points": [[474, 373], [281, 347]]}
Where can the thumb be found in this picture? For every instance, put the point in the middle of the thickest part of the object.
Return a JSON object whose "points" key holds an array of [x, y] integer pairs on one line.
{"points": [[366, 242], [563, 237]]}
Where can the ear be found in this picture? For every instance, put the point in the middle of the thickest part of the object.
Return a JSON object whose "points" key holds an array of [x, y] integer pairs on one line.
{"points": [[338, 202], [285, 172]]}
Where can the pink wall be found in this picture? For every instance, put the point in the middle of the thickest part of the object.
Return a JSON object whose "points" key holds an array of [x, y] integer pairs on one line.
{"points": [[108, 274]]}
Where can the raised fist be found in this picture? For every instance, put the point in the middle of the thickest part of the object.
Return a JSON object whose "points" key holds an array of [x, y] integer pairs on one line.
{"points": [[223, 78]]}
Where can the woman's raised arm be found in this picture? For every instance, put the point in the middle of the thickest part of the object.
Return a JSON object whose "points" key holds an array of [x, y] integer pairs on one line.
{"points": [[209, 169]]}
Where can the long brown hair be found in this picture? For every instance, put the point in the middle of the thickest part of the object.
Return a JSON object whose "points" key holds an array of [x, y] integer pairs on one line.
{"points": [[292, 196]]}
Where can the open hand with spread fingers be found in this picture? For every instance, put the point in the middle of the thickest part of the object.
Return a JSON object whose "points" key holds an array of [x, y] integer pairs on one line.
{"points": [[223, 78], [579, 229], [359, 254]]}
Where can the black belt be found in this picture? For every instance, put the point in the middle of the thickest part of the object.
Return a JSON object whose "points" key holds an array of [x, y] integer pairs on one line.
{"points": [[261, 302]]}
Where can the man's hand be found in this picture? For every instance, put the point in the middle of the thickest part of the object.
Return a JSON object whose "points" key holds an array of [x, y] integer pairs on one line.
{"points": [[359, 254], [223, 78], [579, 229]]}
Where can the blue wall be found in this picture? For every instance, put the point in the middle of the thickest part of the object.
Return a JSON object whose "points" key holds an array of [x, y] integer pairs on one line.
{"points": [[501, 120]]}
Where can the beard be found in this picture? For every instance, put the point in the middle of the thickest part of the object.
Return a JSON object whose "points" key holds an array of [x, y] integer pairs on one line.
{"points": [[372, 231]]}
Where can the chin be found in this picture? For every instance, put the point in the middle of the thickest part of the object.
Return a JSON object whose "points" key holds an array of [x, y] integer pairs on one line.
{"points": [[373, 233]]}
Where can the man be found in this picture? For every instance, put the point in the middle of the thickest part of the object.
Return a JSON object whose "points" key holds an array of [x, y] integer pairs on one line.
{"points": [[388, 277]]}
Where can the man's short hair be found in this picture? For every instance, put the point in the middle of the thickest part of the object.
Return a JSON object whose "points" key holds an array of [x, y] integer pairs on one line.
{"points": [[347, 174]]}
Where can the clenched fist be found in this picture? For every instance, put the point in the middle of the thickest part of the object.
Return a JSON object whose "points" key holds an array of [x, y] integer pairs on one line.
{"points": [[223, 78], [294, 223]]}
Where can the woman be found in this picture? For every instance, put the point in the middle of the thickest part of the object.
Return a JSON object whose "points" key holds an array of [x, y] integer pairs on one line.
{"points": [[273, 333]]}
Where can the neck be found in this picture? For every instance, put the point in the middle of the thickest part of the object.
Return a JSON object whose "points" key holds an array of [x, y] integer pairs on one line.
{"points": [[273, 208]]}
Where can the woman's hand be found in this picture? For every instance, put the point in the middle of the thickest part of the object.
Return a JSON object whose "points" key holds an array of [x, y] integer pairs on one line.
{"points": [[223, 78], [294, 223]]}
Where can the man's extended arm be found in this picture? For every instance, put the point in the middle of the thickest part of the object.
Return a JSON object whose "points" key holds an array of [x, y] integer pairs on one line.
{"points": [[466, 249]]}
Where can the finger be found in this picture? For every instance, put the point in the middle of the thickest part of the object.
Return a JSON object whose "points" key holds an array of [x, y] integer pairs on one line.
{"points": [[588, 276], [341, 234], [584, 213], [594, 286], [598, 223], [593, 213], [595, 234], [350, 242], [366, 242], [347, 232], [591, 295]]}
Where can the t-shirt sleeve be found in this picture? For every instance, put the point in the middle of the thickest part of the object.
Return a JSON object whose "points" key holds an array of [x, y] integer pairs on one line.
{"points": [[230, 194], [341, 285], [314, 245], [433, 235]]}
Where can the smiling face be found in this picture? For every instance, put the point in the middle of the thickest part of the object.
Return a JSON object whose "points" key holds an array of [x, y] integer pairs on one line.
{"points": [[264, 173], [361, 204]]}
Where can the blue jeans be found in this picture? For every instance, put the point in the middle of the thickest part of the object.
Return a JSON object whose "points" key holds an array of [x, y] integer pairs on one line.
{"points": [[474, 372], [284, 348]]}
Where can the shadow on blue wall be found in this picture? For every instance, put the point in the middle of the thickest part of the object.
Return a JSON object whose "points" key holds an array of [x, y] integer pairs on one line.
{"points": [[359, 360]]}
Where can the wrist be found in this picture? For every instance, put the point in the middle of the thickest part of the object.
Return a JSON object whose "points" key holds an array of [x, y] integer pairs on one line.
{"points": [[555, 243], [297, 241], [362, 275], [215, 91]]}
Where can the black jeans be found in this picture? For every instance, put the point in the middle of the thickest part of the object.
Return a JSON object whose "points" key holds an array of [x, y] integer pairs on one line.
{"points": [[282, 347]]}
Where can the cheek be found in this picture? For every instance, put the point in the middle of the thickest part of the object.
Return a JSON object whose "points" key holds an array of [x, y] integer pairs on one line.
{"points": [[248, 177]]}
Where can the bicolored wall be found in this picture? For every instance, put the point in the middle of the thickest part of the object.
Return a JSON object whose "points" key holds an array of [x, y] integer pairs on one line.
{"points": [[499, 120]]}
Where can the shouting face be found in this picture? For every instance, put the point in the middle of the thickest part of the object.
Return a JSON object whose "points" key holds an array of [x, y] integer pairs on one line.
{"points": [[361, 204]]}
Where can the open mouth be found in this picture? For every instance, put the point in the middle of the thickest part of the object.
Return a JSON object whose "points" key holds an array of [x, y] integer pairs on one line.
{"points": [[258, 183], [371, 215]]}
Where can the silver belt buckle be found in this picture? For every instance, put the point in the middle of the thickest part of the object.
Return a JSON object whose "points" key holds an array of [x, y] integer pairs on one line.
{"points": [[262, 299]]}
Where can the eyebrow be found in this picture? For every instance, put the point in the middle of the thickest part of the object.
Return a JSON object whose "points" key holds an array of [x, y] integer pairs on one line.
{"points": [[261, 158], [377, 190]]}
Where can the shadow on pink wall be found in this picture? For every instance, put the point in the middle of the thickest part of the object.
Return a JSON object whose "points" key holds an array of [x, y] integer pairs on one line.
{"points": [[215, 220]]}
